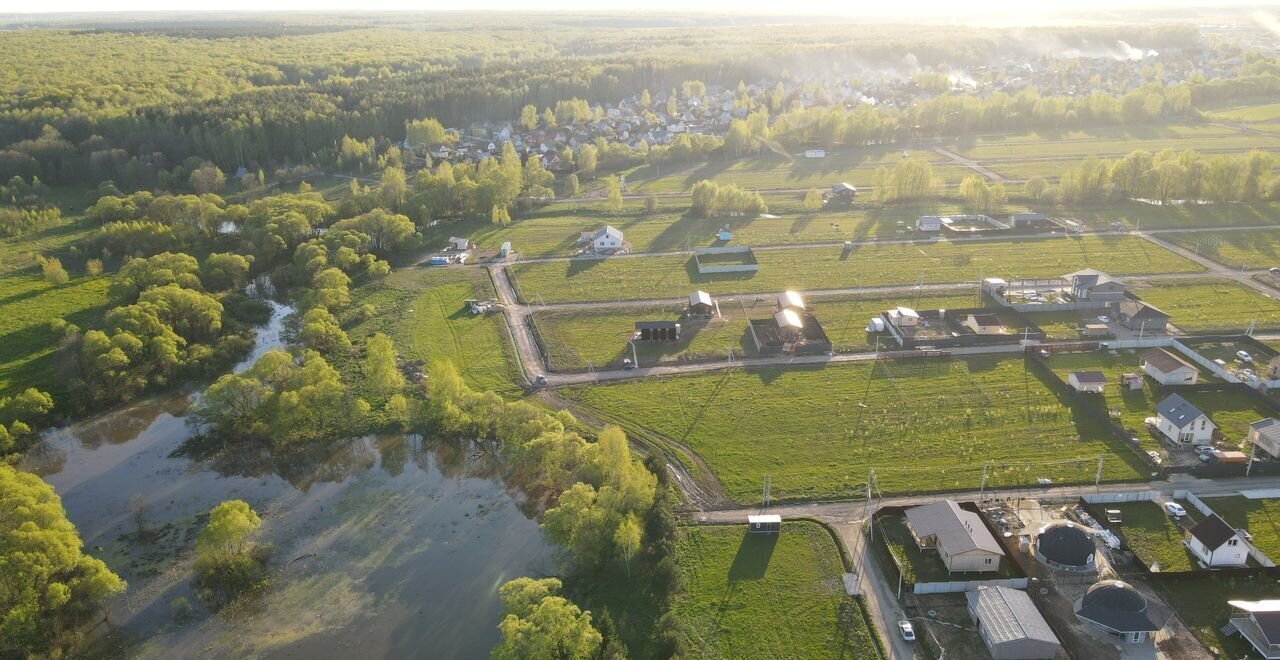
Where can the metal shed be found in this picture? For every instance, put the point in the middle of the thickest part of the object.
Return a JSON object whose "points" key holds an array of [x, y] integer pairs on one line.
{"points": [[1010, 624], [764, 524]]}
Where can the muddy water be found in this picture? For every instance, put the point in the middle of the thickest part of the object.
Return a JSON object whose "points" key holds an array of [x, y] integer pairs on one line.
{"points": [[389, 546]]}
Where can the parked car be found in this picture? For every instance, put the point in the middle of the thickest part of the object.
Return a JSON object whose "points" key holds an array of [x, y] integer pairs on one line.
{"points": [[1273, 270], [1206, 457], [908, 633], [1244, 356], [1175, 509], [1044, 481], [540, 380], [627, 364], [1104, 319]]}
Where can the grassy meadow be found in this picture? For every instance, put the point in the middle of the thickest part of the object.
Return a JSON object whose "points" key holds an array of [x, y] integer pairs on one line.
{"points": [[423, 311], [1212, 306], [768, 595], [924, 425], [1251, 248], [631, 278]]}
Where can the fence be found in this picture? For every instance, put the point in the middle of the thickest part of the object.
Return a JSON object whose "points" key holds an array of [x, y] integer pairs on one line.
{"points": [[1205, 362], [748, 264], [1121, 498], [1207, 510], [970, 585]]}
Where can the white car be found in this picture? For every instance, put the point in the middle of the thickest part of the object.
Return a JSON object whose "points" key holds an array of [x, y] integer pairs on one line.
{"points": [[908, 633], [1175, 509], [1104, 319], [1244, 356]]}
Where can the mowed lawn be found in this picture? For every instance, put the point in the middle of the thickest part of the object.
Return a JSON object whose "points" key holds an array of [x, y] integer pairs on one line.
{"points": [[28, 304], [1261, 518], [1251, 248], [1212, 306], [1116, 142], [835, 268], [424, 312], [768, 595], [578, 339], [924, 425], [1153, 535]]}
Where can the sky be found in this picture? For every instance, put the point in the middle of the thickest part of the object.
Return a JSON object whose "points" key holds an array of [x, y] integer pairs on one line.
{"points": [[819, 7]]}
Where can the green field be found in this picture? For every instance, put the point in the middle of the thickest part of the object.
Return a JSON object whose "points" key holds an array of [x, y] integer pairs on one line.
{"points": [[924, 425], [1267, 112], [1212, 306], [1201, 602], [27, 306], [1152, 535], [1253, 248], [552, 233], [1128, 407], [572, 339], [768, 595], [854, 165], [423, 310], [833, 268], [1117, 142], [1261, 518]]}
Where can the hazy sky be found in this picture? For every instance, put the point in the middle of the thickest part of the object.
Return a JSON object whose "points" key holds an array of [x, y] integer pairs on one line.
{"points": [[843, 7]]}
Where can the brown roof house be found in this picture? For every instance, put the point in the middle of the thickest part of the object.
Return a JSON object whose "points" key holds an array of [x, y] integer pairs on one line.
{"points": [[1142, 317], [963, 542], [1168, 369]]}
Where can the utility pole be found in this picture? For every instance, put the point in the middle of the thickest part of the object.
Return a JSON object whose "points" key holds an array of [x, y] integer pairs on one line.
{"points": [[1253, 449], [635, 359], [766, 491], [1097, 479], [982, 490]]}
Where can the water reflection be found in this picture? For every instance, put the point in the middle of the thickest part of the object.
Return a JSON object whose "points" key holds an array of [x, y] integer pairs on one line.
{"points": [[387, 546]]}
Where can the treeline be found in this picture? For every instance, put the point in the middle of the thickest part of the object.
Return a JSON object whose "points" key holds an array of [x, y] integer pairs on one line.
{"points": [[1163, 177], [89, 106]]}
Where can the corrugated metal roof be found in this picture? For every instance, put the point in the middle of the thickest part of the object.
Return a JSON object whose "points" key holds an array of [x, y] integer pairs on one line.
{"points": [[1009, 615]]}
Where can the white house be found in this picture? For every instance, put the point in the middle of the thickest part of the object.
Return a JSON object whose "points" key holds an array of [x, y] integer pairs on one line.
{"points": [[1168, 369], [456, 243], [984, 324], [963, 542], [1093, 382], [1217, 544], [928, 223], [1181, 422], [1259, 623], [904, 317], [606, 239]]}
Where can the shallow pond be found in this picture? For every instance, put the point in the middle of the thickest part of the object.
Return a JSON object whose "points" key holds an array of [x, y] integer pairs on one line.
{"points": [[388, 546]]}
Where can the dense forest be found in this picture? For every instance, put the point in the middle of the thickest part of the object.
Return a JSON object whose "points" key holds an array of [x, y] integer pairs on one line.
{"points": [[84, 105]]}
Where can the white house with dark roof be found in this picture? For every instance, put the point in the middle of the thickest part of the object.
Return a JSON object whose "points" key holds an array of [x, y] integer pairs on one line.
{"points": [[1010, 625], [1168, 369], [1217, 544], [1258, 621], [1091, 382], [1181, 422], [1265, 435], [963, 542]]}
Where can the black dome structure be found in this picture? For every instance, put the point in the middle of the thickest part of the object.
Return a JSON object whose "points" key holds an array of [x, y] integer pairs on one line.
{"points": [[1066, 546], [1118, 608]]}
